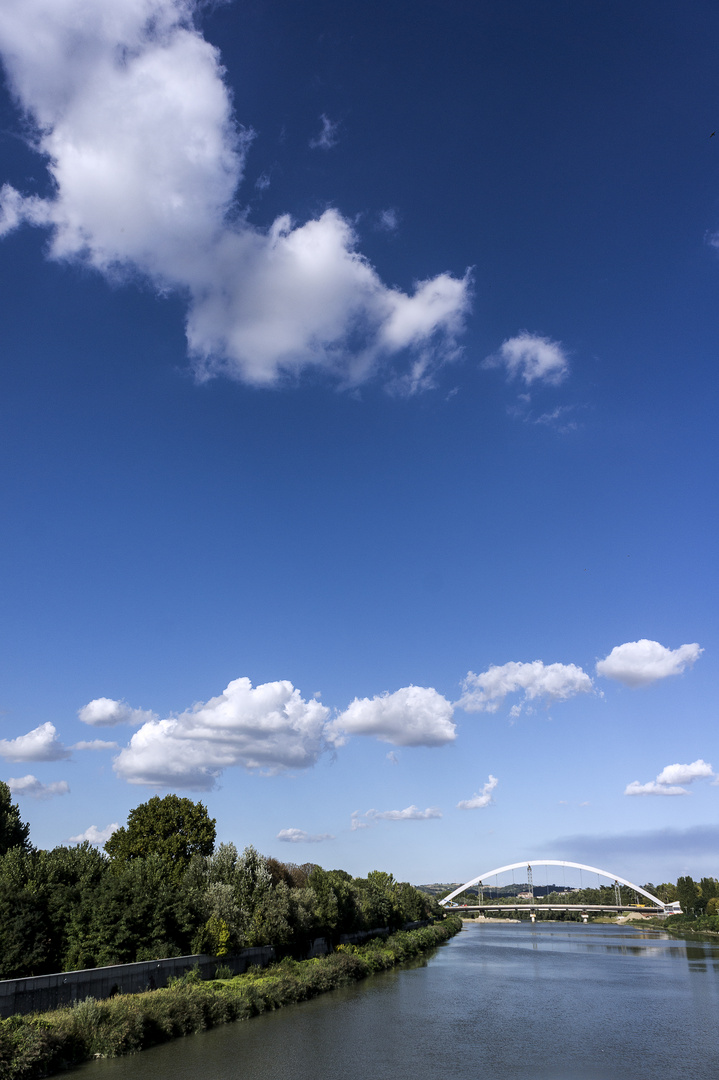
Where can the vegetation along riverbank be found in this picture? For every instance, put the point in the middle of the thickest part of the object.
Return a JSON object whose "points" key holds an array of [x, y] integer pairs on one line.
{"points": [[40, 1045]]}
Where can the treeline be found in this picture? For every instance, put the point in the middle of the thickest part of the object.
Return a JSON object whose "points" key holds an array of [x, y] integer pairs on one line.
{"points": [[161, 888]]}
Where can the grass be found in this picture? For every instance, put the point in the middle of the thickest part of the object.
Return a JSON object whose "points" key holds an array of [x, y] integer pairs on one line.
{"points": [[42, 1044]]}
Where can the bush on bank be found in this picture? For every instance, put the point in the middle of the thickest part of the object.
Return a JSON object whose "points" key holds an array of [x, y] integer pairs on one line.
{"points": [[37, 1046], [698, 924]]}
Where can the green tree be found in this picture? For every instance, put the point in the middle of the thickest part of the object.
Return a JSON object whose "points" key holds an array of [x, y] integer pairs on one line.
{"points": [[254, 882], [326, 909], [25, 936], [13, 831], [172, 828], [68, 878], [141, 914], [709, 888], [273, 919], [687, 893], [380, 906], [411, 903], [667, 892]]}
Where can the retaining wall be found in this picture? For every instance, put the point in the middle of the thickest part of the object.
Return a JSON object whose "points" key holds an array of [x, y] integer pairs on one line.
{"points": [[42, 992], [39, 993]]}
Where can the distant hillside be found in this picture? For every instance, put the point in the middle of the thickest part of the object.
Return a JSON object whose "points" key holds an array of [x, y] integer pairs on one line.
{"points": [[490, 893], [438, 888]]}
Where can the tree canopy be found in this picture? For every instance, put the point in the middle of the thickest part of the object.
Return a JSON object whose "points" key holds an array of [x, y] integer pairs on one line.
{"points": [[172, 828], [13, 830]]}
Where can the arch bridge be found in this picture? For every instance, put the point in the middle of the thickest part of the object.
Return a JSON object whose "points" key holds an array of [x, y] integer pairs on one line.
{"points": [[654, 907]]}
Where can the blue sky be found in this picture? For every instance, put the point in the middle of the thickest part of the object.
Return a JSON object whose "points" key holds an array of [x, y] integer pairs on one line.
{"points": [[347, 352]]}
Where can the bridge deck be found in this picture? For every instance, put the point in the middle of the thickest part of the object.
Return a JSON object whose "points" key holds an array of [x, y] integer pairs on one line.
{"points": [[538, 908]]}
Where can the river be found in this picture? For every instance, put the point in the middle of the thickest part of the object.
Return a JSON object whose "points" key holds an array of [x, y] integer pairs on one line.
{"points": [[552, 1001]]}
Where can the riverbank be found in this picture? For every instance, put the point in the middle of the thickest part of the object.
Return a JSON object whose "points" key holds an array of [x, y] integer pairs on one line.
{"points": [[483, 919], [43, 1044]]}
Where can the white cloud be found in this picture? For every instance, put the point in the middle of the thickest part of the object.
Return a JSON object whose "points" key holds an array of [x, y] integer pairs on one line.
{"points": [[482, 799], [653, 788], [40, 744], [31, 786], [410, 813], [671, 777], [392, 758], [388, 220], [267, 727], [531, 358], [412, 716], [327, 137], [638, 663], [555, 682], [299, 836], [96, 836], [95, 744], [685, 774], [135, 122], [557, 418], [105, 712]]}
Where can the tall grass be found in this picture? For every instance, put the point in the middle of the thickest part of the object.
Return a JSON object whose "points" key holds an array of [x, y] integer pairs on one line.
{"points": [[40, 1045]]}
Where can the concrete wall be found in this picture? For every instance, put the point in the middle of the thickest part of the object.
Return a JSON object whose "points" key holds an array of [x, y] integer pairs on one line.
{"points": [[42, 992]]}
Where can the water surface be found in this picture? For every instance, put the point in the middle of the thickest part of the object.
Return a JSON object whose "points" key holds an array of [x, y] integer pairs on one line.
{"points": [[552, 1001]]}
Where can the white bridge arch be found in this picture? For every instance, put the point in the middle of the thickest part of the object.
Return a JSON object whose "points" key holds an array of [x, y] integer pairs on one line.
{"points": [[552, 862]]}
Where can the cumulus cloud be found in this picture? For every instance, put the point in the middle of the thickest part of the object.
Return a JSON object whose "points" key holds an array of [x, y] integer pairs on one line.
{"points": [[40, 744], [31, 786], [671, 778], [95, 744], [134, 120], [299, 836], [410, 813], [327, 137], [412, 716], [95, 836], [268, 727], [638, 663], [653, 788], [531, 358], [554, 682], [482, 799], [685, 774], [105, 712]]}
